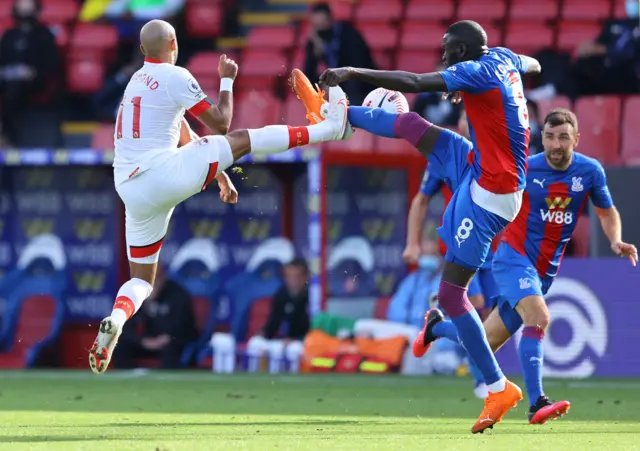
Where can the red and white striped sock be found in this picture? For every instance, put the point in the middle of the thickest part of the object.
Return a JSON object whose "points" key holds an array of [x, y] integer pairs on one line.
{"points": [[129, 299], [278, 138]]}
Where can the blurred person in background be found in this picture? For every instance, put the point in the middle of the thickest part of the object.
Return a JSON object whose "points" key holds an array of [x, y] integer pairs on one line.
{"points": [[289, 308], [535, 129], [162, 328], [437, 109], [337, 44], [411, 300], [107, 101], [611, 63], [29, 81]]}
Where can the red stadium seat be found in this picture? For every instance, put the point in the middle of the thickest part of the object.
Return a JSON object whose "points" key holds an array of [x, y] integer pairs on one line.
{"points": [[91, 41], [572, 34], [258, 314], [55, 12], [421, 10], [586, 10], [545, 106], [261, 70], [203, 20], [419, 62], [411, 98], [580, 237], [256, 109], [630, 143], [374, 11], [381, 307], [599, 118], [533, 10], [494, 35], [298, 58], [5, 24], [205, 64], [379, 37], [482, 10], [6, 11], [383, 60], [361, 141], [34, 324], [85, 76], [102, 138], [421, 36], [204, 67], [293, 112], [528, 36], [271, 38], [619, 10], [393, 146], [341, 10]]}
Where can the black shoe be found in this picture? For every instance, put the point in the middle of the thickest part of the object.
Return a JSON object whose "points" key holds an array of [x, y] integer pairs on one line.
{"points": [[425, 338]]}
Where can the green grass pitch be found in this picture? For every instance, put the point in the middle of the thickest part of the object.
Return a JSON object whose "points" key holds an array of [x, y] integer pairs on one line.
{"points": [[196, 411]]}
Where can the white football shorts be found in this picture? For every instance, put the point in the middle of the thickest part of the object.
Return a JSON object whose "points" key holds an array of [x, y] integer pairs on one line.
{"points": [[150, 196]]}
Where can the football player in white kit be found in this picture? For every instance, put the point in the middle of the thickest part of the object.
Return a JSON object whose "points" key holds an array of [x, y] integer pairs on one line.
{"points": [[152, 175]]}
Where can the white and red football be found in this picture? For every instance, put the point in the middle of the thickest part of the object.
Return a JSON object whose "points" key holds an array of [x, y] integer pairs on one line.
{"points": [[390, 101]]}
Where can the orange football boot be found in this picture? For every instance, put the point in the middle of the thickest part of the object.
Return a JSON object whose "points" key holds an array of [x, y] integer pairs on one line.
{"points": [[496, 405], [312, 97]]}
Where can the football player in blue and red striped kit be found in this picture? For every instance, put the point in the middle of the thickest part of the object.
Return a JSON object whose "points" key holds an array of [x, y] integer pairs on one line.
{"points": [[490, 196], [482, 289], [559, 183]]}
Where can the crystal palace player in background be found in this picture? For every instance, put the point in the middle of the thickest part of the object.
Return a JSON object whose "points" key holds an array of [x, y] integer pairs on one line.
{"points": [[489, 82], [152, 175], [559, 183]]}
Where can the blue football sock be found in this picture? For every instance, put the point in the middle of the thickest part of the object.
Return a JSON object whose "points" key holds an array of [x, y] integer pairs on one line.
{"points": [[446, 329], [453, 299], [530, 355], [472, 337], [374, 120]]}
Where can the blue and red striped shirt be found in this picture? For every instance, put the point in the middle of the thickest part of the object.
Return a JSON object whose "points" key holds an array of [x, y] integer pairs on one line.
{"points": [[551, 206], [493, 95]]}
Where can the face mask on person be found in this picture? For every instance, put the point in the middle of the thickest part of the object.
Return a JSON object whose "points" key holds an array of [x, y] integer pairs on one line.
{"points": [[633, 8], [428, 262]]}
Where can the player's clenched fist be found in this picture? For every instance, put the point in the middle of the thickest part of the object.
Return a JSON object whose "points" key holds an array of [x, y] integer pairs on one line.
{"points": [[333, 77], [227, 68]]}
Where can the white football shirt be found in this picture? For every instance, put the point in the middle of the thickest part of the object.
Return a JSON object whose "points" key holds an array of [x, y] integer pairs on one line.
{"points": [[150, 115]]}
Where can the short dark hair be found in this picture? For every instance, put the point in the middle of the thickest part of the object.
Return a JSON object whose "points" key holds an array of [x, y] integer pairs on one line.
{"points": [[299, 262], [468, 32], [321, 7], [560, 116]]}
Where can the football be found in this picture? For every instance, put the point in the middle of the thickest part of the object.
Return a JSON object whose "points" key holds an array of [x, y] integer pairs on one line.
{"points": [[390, 101]]}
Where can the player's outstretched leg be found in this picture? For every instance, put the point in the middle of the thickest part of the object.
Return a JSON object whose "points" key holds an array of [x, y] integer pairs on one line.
{"points": [[268, 140], [408, 126], [278, 138]]}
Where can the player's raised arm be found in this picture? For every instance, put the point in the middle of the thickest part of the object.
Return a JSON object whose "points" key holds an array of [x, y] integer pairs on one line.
{"points": [[218, 117], [417, 212], [186, 92], [396, 80]]}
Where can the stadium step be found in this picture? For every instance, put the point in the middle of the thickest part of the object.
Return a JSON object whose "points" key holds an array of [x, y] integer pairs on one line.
{"points": [[234, 42], [268, 18]]}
